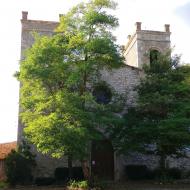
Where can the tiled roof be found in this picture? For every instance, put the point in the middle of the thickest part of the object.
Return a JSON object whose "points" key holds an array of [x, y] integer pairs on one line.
{"points": [[6, 148]]}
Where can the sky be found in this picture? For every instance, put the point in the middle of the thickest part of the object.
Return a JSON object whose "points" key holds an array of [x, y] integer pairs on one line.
{"points": [[152, 13]]}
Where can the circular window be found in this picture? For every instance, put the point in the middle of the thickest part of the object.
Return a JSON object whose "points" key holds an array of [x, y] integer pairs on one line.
{"points": [[102, 94]]}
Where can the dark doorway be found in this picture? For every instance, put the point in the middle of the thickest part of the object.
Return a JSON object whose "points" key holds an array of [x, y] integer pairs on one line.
{"points": [[154, 55], [102, 160]]}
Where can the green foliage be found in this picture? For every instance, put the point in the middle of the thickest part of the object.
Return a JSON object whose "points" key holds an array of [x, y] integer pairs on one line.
{"points": [[3, 185], [167, 175], [19, 165], [160, 122], [59, 110], [61, 174], [78, 184], [141, 172], [97, 184], [137, 172]]}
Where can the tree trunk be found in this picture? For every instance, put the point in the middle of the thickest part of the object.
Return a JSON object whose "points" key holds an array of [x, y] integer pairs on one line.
{"points": [[86, 170], [70, 166]]}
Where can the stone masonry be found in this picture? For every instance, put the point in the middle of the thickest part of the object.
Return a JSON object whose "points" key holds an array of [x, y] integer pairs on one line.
{"points": [[139, 45], [123, 80]]}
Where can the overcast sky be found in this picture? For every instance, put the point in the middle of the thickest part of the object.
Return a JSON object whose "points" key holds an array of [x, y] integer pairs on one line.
{"points": [[152, 13]]}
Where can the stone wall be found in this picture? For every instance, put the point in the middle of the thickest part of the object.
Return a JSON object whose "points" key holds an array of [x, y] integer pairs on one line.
{"points": [[142, 41], [45, 164], [123, 81], [131, 53], [148, 40], [31, 26]]}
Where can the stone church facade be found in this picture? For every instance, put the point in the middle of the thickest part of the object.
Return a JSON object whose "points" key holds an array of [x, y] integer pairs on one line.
{"points": [[123, 80]]}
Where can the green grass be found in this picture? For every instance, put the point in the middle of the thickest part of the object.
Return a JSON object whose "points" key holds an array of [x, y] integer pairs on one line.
{"points": [[3, 185]]}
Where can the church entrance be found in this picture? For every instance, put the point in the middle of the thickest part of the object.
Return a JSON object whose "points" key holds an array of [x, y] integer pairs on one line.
{"points": [[102, 160]]}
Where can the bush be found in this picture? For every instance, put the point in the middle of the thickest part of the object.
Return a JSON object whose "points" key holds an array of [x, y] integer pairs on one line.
{"points": [[78, 184], [97, 184], [137, 172], [77, 173], [43, 181], [18, 166], [61, 174], [3, 185], [168, 174], [186, 174], [175, 173]]}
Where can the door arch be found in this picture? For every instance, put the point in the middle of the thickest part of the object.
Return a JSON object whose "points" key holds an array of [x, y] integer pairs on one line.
{"points": [[154, 55], [102, 160]]}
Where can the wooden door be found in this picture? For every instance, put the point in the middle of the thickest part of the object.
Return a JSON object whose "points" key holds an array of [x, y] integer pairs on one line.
{"points": [[102, 160]]}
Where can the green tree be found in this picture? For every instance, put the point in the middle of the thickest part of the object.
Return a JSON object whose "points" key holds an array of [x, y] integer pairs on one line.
{"points": [[160, 122], [19, 164], [59, 110]]}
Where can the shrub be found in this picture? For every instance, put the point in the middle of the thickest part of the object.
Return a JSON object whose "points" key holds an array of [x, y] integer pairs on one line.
{"points": [[137, 172], [78, 184], [43, 181], [175, 173], [98, 184], [186, 174], [18, 166], [3, 185], [77, 173], [61, 174], [168, 174]]}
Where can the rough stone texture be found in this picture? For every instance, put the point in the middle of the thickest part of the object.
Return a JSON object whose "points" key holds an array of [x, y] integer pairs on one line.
{"points": [[45, 164], [147, 40], [123, 81], [28, 28], [31, 26], [152, 162], [139, 45], [135, 158]]}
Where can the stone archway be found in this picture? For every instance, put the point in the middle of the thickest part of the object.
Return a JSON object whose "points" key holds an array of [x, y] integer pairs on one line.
{"points": [[154, 55]]}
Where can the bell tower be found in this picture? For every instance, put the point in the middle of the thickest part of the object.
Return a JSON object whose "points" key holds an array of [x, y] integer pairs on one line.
{"points": [[142, 42]]}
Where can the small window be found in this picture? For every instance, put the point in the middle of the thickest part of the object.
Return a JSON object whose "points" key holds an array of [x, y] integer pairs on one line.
{"points": [[102, 93], [154, 54]]}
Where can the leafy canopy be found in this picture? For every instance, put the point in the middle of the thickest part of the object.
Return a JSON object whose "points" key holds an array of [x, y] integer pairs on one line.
{"points": [[160, 122], [19, 164], [58, 74]]}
